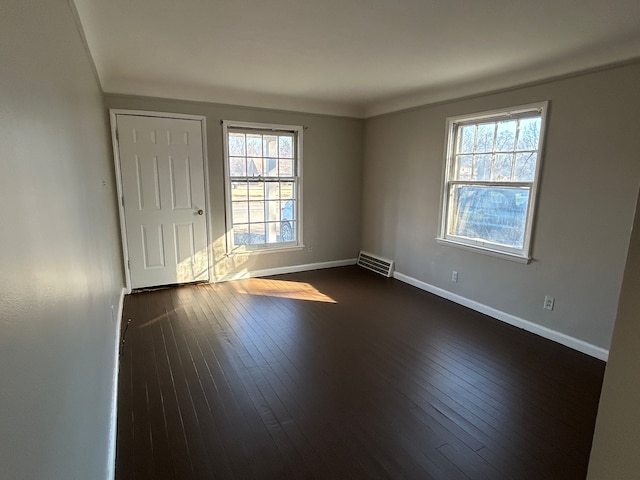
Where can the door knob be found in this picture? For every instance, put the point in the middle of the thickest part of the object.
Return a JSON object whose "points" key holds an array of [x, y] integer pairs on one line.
{"points": [[200, 212]]}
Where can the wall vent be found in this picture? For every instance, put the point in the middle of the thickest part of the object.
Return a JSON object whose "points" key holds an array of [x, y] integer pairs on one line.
{"points": [[375, 264]]}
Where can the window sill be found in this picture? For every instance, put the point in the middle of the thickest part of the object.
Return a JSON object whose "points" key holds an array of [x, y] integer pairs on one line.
{"points": [[485, 251], [254, 251]]}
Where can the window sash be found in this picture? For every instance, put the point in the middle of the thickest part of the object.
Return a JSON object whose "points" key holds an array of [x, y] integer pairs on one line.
{"points": [[489, 183], [519, 113], [261, 179], [500, 220]]}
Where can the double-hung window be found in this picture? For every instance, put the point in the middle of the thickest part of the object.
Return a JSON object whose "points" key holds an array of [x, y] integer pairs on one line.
{"points": [[263, 185], [491, 176]]}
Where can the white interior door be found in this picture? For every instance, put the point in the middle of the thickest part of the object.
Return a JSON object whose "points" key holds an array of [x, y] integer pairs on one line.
{"points": [[163, 188]]}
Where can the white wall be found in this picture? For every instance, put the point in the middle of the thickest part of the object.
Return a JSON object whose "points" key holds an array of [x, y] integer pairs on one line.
{"points": [[332, 181], [60, 269], [587, 196]]}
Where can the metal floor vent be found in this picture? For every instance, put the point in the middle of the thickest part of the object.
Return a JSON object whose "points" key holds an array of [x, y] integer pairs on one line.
{"points": [[375, 264]]}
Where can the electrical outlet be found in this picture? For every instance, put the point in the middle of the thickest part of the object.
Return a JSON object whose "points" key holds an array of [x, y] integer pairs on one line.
{"points": [[309, 248], [454, 276], [548, 302]]}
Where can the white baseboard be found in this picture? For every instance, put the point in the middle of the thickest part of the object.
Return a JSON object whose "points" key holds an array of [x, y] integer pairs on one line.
{"points": [[566, 340], [113, 430], [291, 269]]}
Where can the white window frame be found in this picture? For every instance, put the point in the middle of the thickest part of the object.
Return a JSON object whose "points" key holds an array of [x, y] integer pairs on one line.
{"points": [[522, 255], [297, 130]]}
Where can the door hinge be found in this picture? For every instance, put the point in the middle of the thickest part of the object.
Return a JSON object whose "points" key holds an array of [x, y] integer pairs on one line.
{"points": [[117, 136], [122, 198], [129, 264]]}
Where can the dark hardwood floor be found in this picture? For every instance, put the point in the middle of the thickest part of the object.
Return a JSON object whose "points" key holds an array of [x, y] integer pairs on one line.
{"points": [[343, 374]]}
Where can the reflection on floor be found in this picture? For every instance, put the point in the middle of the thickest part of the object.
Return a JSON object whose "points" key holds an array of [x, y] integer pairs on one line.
{"points": [[281, 289]]}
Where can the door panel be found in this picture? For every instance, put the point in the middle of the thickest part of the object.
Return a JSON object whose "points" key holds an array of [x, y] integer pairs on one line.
{"points": [[153, 246], [162, 177], [181, 183]]}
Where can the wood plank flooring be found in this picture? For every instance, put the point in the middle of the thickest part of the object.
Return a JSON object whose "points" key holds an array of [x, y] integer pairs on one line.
{"points": [[343, 374]]}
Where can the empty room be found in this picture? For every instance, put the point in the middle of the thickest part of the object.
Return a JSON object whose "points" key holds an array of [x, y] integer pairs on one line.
{"points": [[320, 240]]}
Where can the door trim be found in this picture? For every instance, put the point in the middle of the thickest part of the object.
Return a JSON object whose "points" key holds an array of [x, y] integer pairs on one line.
{"points": [[113, 114]]}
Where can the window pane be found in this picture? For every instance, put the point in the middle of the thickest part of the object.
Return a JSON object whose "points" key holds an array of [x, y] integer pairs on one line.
{"points": [[286, 147], [254, 145], [287, 210], [275, 232], [254, 167], [287, 190], [288, 231], [256, 234], [270, 167], [529, 134], [272, 190], [482, 167], [270, 146], [240, 212], [464, 167], [256, 191], [239, 191], [467, 139], [502, 168], [273, 210], [486, 134], [287, 225], [236, 144], [241, 234], [286, 167], [256, 211], [506, 136], [272, 232], [490, 214], [525, 167], [237, 166]]}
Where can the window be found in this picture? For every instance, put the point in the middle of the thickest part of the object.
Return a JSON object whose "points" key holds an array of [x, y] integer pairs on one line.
{"points": [[263, 187], [492, 166]]}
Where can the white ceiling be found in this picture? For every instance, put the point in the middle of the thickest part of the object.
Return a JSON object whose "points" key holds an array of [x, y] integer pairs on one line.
{"points": [[348, 57]]}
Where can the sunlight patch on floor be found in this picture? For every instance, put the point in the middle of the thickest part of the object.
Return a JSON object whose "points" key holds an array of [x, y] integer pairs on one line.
{"points": [[282, 289]]}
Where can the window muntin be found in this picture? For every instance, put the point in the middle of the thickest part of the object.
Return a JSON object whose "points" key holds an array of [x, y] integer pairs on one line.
{"points": [[492, 166], [262, 167]]}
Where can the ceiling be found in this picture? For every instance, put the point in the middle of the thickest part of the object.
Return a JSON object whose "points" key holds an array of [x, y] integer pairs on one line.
{"points": [[349, 57]]}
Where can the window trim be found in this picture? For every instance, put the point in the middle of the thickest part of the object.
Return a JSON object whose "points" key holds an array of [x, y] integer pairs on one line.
{"points": [[231, 248], [452, 123]]}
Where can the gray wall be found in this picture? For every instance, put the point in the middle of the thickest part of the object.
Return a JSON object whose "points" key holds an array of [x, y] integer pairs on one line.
{"points": [[60, 262], [587, 195], [614, 455], [332, 180]]}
